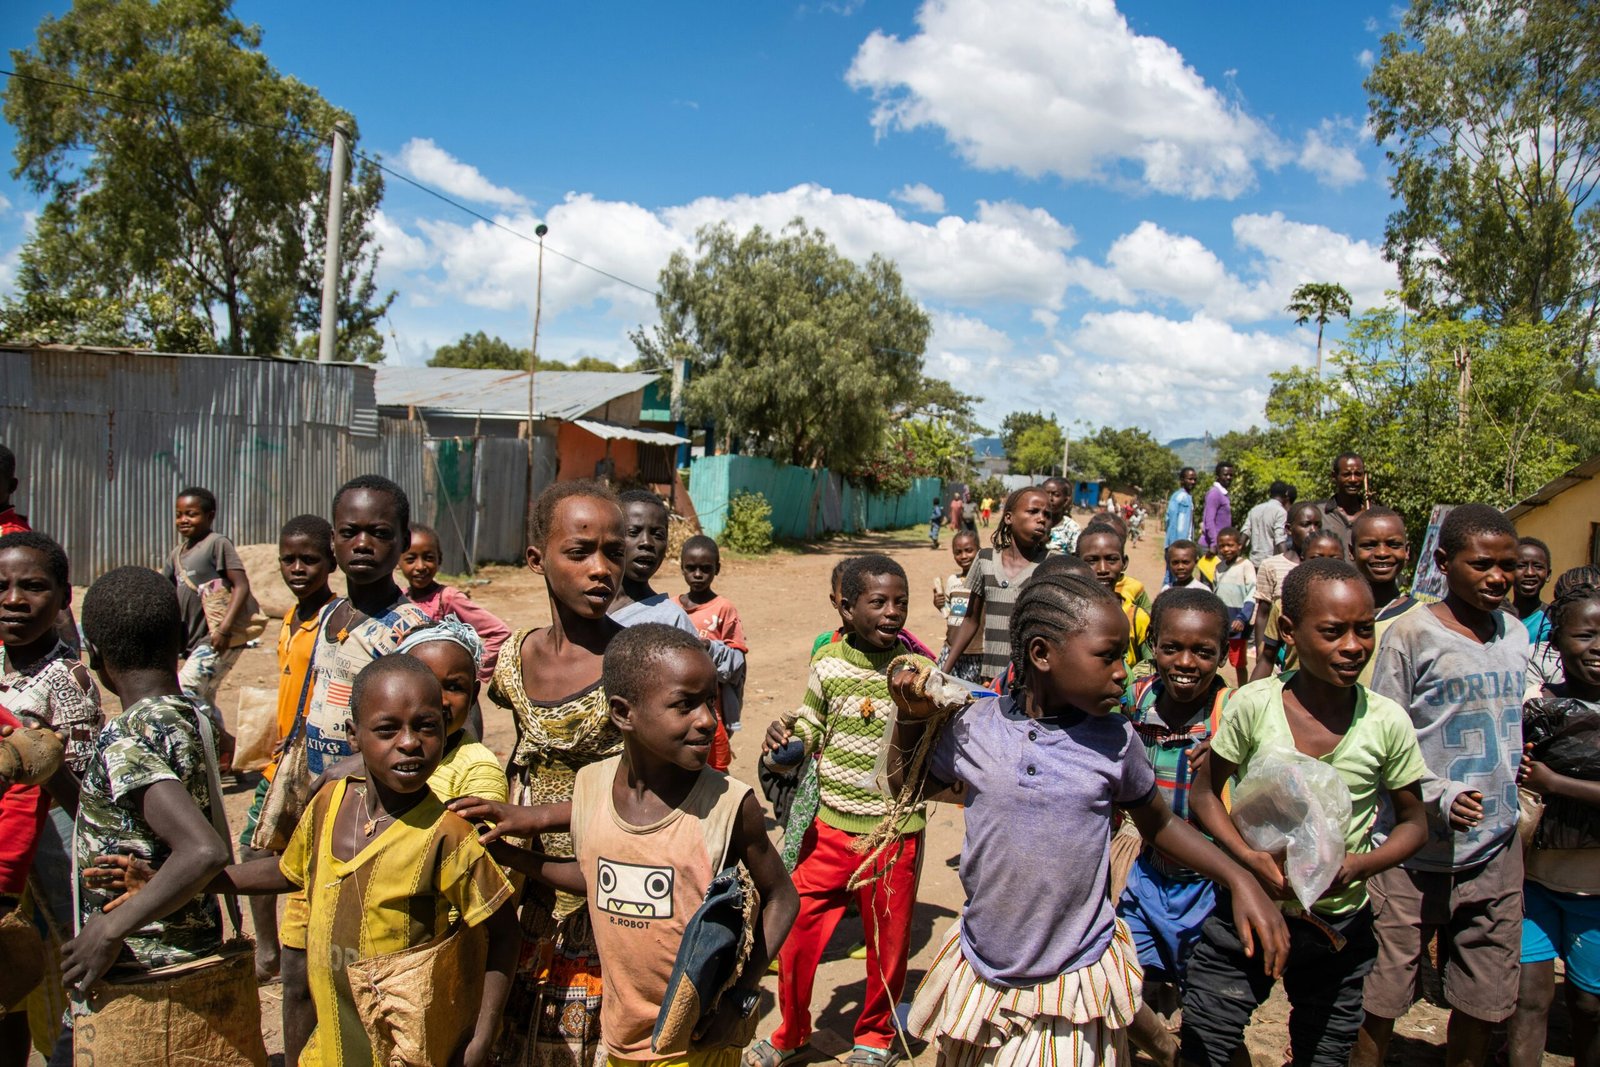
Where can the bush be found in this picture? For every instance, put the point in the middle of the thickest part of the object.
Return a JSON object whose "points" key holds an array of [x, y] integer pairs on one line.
{"points": [[749, 528]]}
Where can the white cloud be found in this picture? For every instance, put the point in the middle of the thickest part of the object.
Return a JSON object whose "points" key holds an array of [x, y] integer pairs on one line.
{"points": [[429, 163], [5, 205], [1006, 253], [1150, 263], [1170, 348], [1065, 88], [1176, 376], [400, 251], [1328, 154], [1365, 59], [1299, 252], [921, 197]]}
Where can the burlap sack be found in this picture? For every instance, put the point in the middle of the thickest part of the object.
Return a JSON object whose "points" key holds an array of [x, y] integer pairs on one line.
{"points": [[191, 1014], [419, 1005], [1126, 844], [286, 798], [255, 728], [23, 952]]}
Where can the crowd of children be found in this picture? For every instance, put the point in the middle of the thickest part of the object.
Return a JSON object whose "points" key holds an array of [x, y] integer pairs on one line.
{"points": [[561, 907]]}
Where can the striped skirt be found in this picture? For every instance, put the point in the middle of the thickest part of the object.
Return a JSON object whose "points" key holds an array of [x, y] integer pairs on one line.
{"points": [[1077, 1019]]}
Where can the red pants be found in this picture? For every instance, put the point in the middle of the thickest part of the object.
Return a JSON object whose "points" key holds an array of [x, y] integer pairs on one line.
{"points": [[825, 866]]}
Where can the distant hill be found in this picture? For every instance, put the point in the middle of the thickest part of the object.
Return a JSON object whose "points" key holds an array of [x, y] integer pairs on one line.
{"points": [[1197, 452]]}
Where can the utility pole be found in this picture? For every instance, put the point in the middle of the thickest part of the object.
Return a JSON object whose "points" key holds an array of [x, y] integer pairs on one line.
{"points": [[330, 261], [533, 362]]}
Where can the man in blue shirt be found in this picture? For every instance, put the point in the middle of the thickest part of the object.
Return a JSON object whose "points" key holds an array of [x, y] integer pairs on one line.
{"points": [[1180, 508]]}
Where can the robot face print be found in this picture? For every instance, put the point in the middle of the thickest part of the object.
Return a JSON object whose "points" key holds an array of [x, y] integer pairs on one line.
{"points": [[634, 891]]}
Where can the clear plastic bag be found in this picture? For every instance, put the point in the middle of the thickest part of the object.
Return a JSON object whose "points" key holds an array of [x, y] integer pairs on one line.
{"points": [[1296, 807]]}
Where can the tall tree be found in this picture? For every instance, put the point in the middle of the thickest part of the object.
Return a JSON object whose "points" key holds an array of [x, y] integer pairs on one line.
{"points": [[1491, 111], [183, 180], [1319, 302], [1130, 457], [794, 350], [1396, 394], [1014, 425], [479, 351], [1038, 449]]}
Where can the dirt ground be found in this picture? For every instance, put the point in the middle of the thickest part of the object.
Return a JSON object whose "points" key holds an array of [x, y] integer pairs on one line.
{"points": [[783, 599]]}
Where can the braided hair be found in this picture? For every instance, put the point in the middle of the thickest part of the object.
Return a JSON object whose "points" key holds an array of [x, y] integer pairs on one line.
{"points": [[1053, 605], [1576, 586], [1001, 538]]}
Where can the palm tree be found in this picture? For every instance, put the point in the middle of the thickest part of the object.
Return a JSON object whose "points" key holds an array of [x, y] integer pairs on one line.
{"points": [[1320, 301]]}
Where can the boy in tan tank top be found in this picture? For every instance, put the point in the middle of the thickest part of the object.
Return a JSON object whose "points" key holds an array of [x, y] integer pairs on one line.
{"points": [[650, 829]]}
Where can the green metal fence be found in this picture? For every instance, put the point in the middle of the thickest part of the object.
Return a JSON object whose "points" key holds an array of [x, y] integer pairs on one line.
{"points": [[805, 502]]}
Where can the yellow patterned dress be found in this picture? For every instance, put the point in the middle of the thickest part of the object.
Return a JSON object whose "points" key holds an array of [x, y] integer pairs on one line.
{"points": [[552, 1017]]}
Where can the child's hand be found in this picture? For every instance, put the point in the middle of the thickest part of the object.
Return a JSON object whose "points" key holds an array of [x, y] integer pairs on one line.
{"points": [[938, 600], [1466, 811], [777, 736], [1236, 627], [86, 958], [475, 1053], [1352, 870], [1262, 930], [510, 820], [127, 873], [906, 689], [1269, 872], [1534, 775]]}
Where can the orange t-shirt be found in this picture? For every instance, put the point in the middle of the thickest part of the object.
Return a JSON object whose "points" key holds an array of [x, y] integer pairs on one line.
{"points": [[644, 884], [296, 643]]}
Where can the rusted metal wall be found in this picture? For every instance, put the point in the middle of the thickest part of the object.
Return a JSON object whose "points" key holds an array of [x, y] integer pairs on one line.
{"points": [[105, 439]]}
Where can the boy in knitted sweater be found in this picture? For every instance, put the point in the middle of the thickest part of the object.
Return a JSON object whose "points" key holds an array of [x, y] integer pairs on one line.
{"points": [[846, 701]]}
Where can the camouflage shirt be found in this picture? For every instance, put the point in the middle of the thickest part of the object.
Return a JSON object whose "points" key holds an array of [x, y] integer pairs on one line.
{"points": [[155, 740]]}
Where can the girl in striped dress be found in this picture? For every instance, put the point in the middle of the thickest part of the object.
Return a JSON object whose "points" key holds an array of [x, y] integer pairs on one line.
{"points": [[1038, 970]]}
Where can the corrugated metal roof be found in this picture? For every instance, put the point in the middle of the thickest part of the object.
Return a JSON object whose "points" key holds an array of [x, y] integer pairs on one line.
{"points": [[504, 394], [1583, 472], [612, 432]]}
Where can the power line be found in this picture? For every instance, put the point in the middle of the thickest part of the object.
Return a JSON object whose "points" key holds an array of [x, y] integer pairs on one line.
{"points": [[307, 135]]}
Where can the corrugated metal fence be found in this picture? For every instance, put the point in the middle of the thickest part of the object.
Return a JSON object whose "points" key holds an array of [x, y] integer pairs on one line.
{"points": [[481, 496], [104, 439], [805, 502]]}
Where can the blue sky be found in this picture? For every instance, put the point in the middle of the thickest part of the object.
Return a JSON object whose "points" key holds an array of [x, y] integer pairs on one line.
{"points": [[1103, 208]]}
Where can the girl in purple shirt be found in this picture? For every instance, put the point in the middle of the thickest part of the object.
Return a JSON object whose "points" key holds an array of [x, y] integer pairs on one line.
{"points": [[1044, 768]]}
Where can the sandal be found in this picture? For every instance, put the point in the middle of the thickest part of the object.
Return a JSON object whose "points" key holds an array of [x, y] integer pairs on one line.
{"points": [[866, 1056], [765, 1054]]}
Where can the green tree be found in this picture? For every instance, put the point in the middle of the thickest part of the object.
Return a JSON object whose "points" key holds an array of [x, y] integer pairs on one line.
{"points": [[1492, 114], [937, 399], [1130, 458], [1441, 411], [1014, 425], [795, 351], [479, 351], [1319, 302], [182, 184], [1039, 449]]}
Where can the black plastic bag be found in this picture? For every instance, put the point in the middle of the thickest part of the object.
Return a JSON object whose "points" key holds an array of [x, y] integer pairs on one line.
{"points": [[1565, 734]]}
